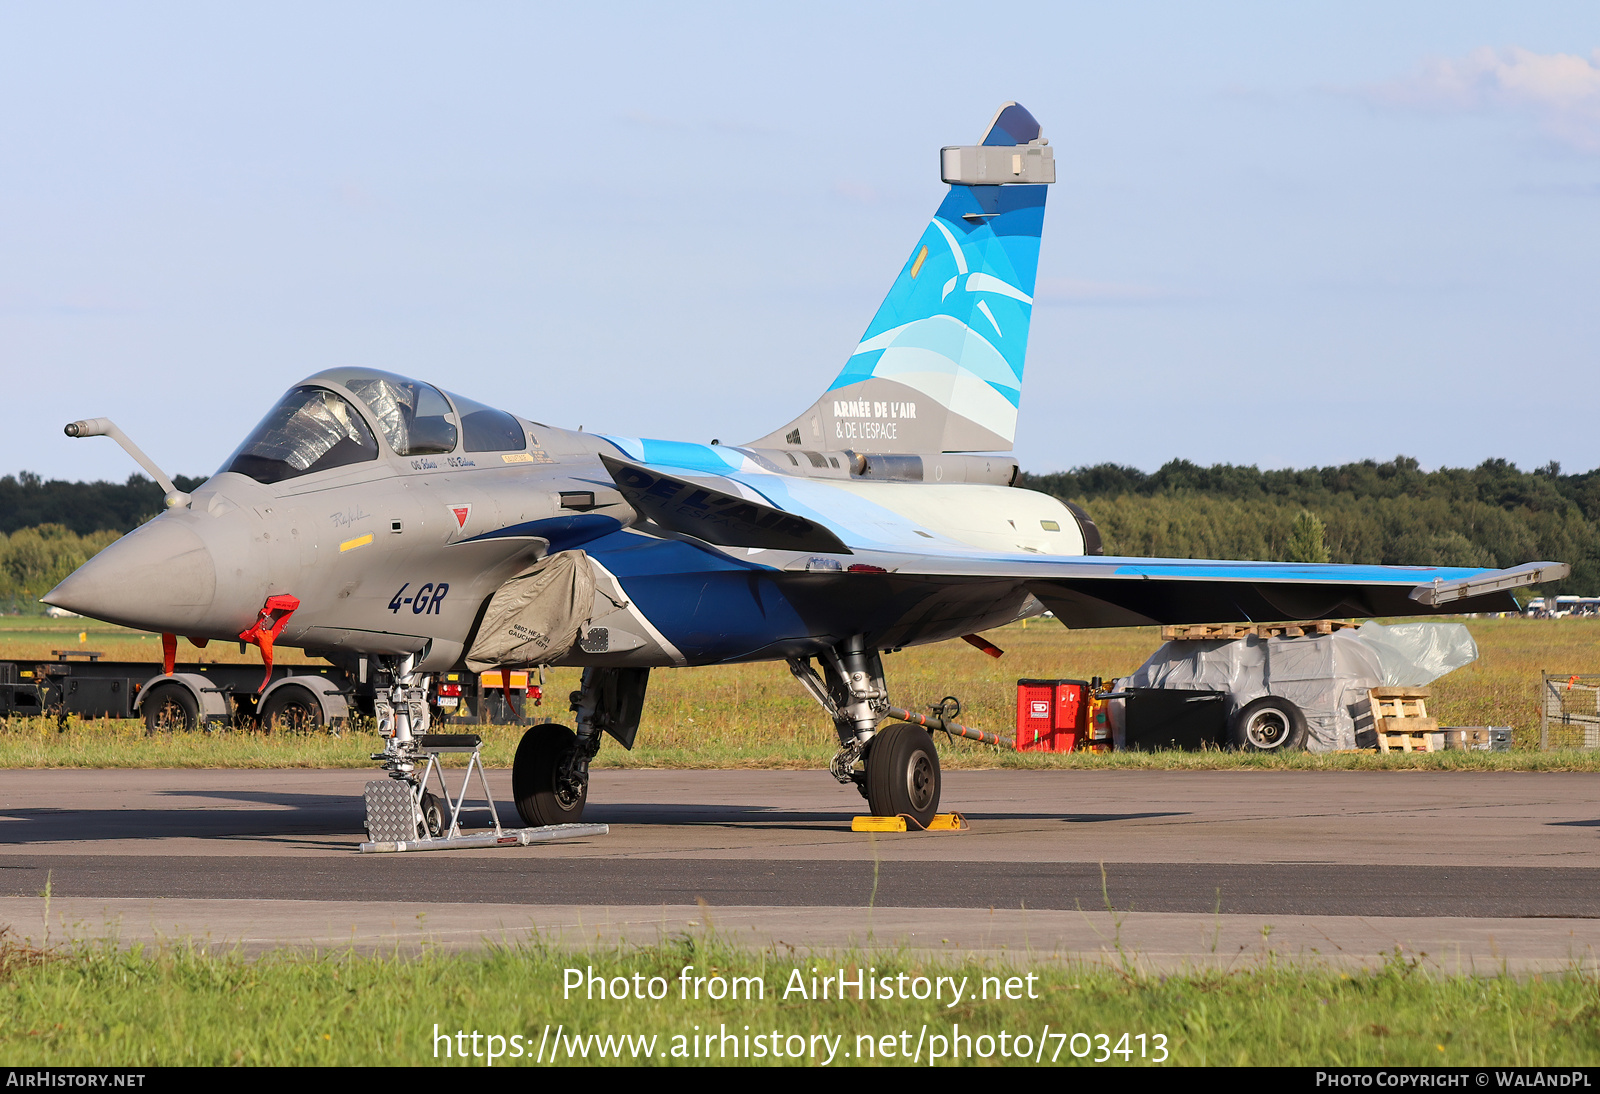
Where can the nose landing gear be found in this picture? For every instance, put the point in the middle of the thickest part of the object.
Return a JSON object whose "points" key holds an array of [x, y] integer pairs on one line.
{"points": [[404, 813]]}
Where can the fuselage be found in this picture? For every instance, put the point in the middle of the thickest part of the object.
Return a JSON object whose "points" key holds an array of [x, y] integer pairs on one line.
{"points": [[397, 552]]}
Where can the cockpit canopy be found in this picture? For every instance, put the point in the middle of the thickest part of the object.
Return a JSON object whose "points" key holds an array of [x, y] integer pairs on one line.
{"points": [[415, 418], [315, 427]]}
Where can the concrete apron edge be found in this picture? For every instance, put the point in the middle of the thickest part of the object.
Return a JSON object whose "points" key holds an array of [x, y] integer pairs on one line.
{"points": [[1153, 941]]}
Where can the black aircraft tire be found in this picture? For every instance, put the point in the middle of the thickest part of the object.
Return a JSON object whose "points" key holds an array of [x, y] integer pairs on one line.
{"points": [[1268, 724], [903, 774], [169, 707], [291, 709], [533, 777]]}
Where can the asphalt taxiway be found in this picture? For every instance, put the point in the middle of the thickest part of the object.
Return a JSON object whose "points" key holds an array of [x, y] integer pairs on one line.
{"points": [[1474, 869]]}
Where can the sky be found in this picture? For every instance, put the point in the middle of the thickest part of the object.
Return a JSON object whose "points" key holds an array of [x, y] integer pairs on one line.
{"points": [[1282, 235]]}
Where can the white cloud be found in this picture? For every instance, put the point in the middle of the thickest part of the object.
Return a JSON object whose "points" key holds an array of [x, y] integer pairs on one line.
{"points": [[1562, 90]]}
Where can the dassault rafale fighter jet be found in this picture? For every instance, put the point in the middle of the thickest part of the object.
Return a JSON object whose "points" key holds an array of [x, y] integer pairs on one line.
{"points": [[389, 525]]}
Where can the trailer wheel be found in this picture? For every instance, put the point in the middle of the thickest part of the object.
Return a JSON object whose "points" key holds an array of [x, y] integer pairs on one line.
{"points": [[1268, 724], [536, 777], [903, 774], [291, 709], [169, 708]]}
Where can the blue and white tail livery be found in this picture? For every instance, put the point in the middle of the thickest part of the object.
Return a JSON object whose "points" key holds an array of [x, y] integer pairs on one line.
{"points": [[939, 368]]}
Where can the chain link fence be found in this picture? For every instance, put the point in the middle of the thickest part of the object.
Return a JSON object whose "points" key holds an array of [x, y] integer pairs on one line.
{"points": [[1569, 715]]}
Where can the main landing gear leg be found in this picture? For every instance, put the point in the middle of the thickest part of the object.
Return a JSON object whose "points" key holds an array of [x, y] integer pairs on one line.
{"points": [[898, 767]]}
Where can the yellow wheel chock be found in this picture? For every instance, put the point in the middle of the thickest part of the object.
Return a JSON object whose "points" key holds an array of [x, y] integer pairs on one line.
{"points": [[942, 822]]}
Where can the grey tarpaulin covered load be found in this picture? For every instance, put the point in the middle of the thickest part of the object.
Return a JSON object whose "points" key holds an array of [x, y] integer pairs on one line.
{"points": [[1327, 676], [535, 617]]}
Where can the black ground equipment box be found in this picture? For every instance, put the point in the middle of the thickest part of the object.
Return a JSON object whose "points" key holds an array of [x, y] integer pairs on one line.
{"points": [[1161, 718]]}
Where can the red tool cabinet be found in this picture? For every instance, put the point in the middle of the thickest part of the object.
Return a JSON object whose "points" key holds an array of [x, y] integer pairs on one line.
{"points": [[1052, 715]]}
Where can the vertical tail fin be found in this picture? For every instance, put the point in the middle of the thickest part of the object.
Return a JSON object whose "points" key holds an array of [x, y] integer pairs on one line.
{"points": [[939, 368]]}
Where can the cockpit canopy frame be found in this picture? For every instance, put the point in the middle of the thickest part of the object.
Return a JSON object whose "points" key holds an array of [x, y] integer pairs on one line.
{"points": [[330, 420]]}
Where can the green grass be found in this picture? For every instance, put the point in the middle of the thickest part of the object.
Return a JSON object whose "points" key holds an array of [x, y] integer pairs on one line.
{"points": [[35, 636], [181, 1005], [40, 743], [757, 716]]}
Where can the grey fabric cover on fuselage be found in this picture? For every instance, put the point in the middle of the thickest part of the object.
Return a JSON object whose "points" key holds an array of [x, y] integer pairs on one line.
{"points": [[535, 617]]}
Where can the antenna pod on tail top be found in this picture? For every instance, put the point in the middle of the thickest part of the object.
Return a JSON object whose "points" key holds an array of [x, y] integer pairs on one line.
{"points": [[939, 368]]}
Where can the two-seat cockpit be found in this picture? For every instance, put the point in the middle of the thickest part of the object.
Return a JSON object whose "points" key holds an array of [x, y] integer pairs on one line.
{"points": [[317, 426]]}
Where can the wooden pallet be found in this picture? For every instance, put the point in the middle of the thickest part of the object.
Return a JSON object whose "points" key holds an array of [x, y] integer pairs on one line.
{"points": [[1400, 717], [1406, 740], [1194, 632]]}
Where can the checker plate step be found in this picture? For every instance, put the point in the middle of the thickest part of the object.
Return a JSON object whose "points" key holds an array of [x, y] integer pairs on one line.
{"points": [[391, 811]]}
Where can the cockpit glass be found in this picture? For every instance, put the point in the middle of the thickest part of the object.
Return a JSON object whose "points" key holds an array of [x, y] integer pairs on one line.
{"points": [[415, 418], [311, 429], [489, 430]]}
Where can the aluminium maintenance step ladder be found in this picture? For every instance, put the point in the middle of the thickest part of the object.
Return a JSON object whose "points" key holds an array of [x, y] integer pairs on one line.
{"points": [[397, 821]]}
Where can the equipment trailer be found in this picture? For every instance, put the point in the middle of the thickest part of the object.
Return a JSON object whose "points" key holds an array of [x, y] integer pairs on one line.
{"points": [[214, 695]]}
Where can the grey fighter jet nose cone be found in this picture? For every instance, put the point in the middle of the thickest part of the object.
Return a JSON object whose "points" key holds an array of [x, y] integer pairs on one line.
{"points": [[159, 577]]}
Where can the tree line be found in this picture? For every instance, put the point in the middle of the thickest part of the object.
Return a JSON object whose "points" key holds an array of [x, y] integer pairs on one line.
{"points": [[27, 501], [1391, 513], [48, 529], [35, 560]]}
